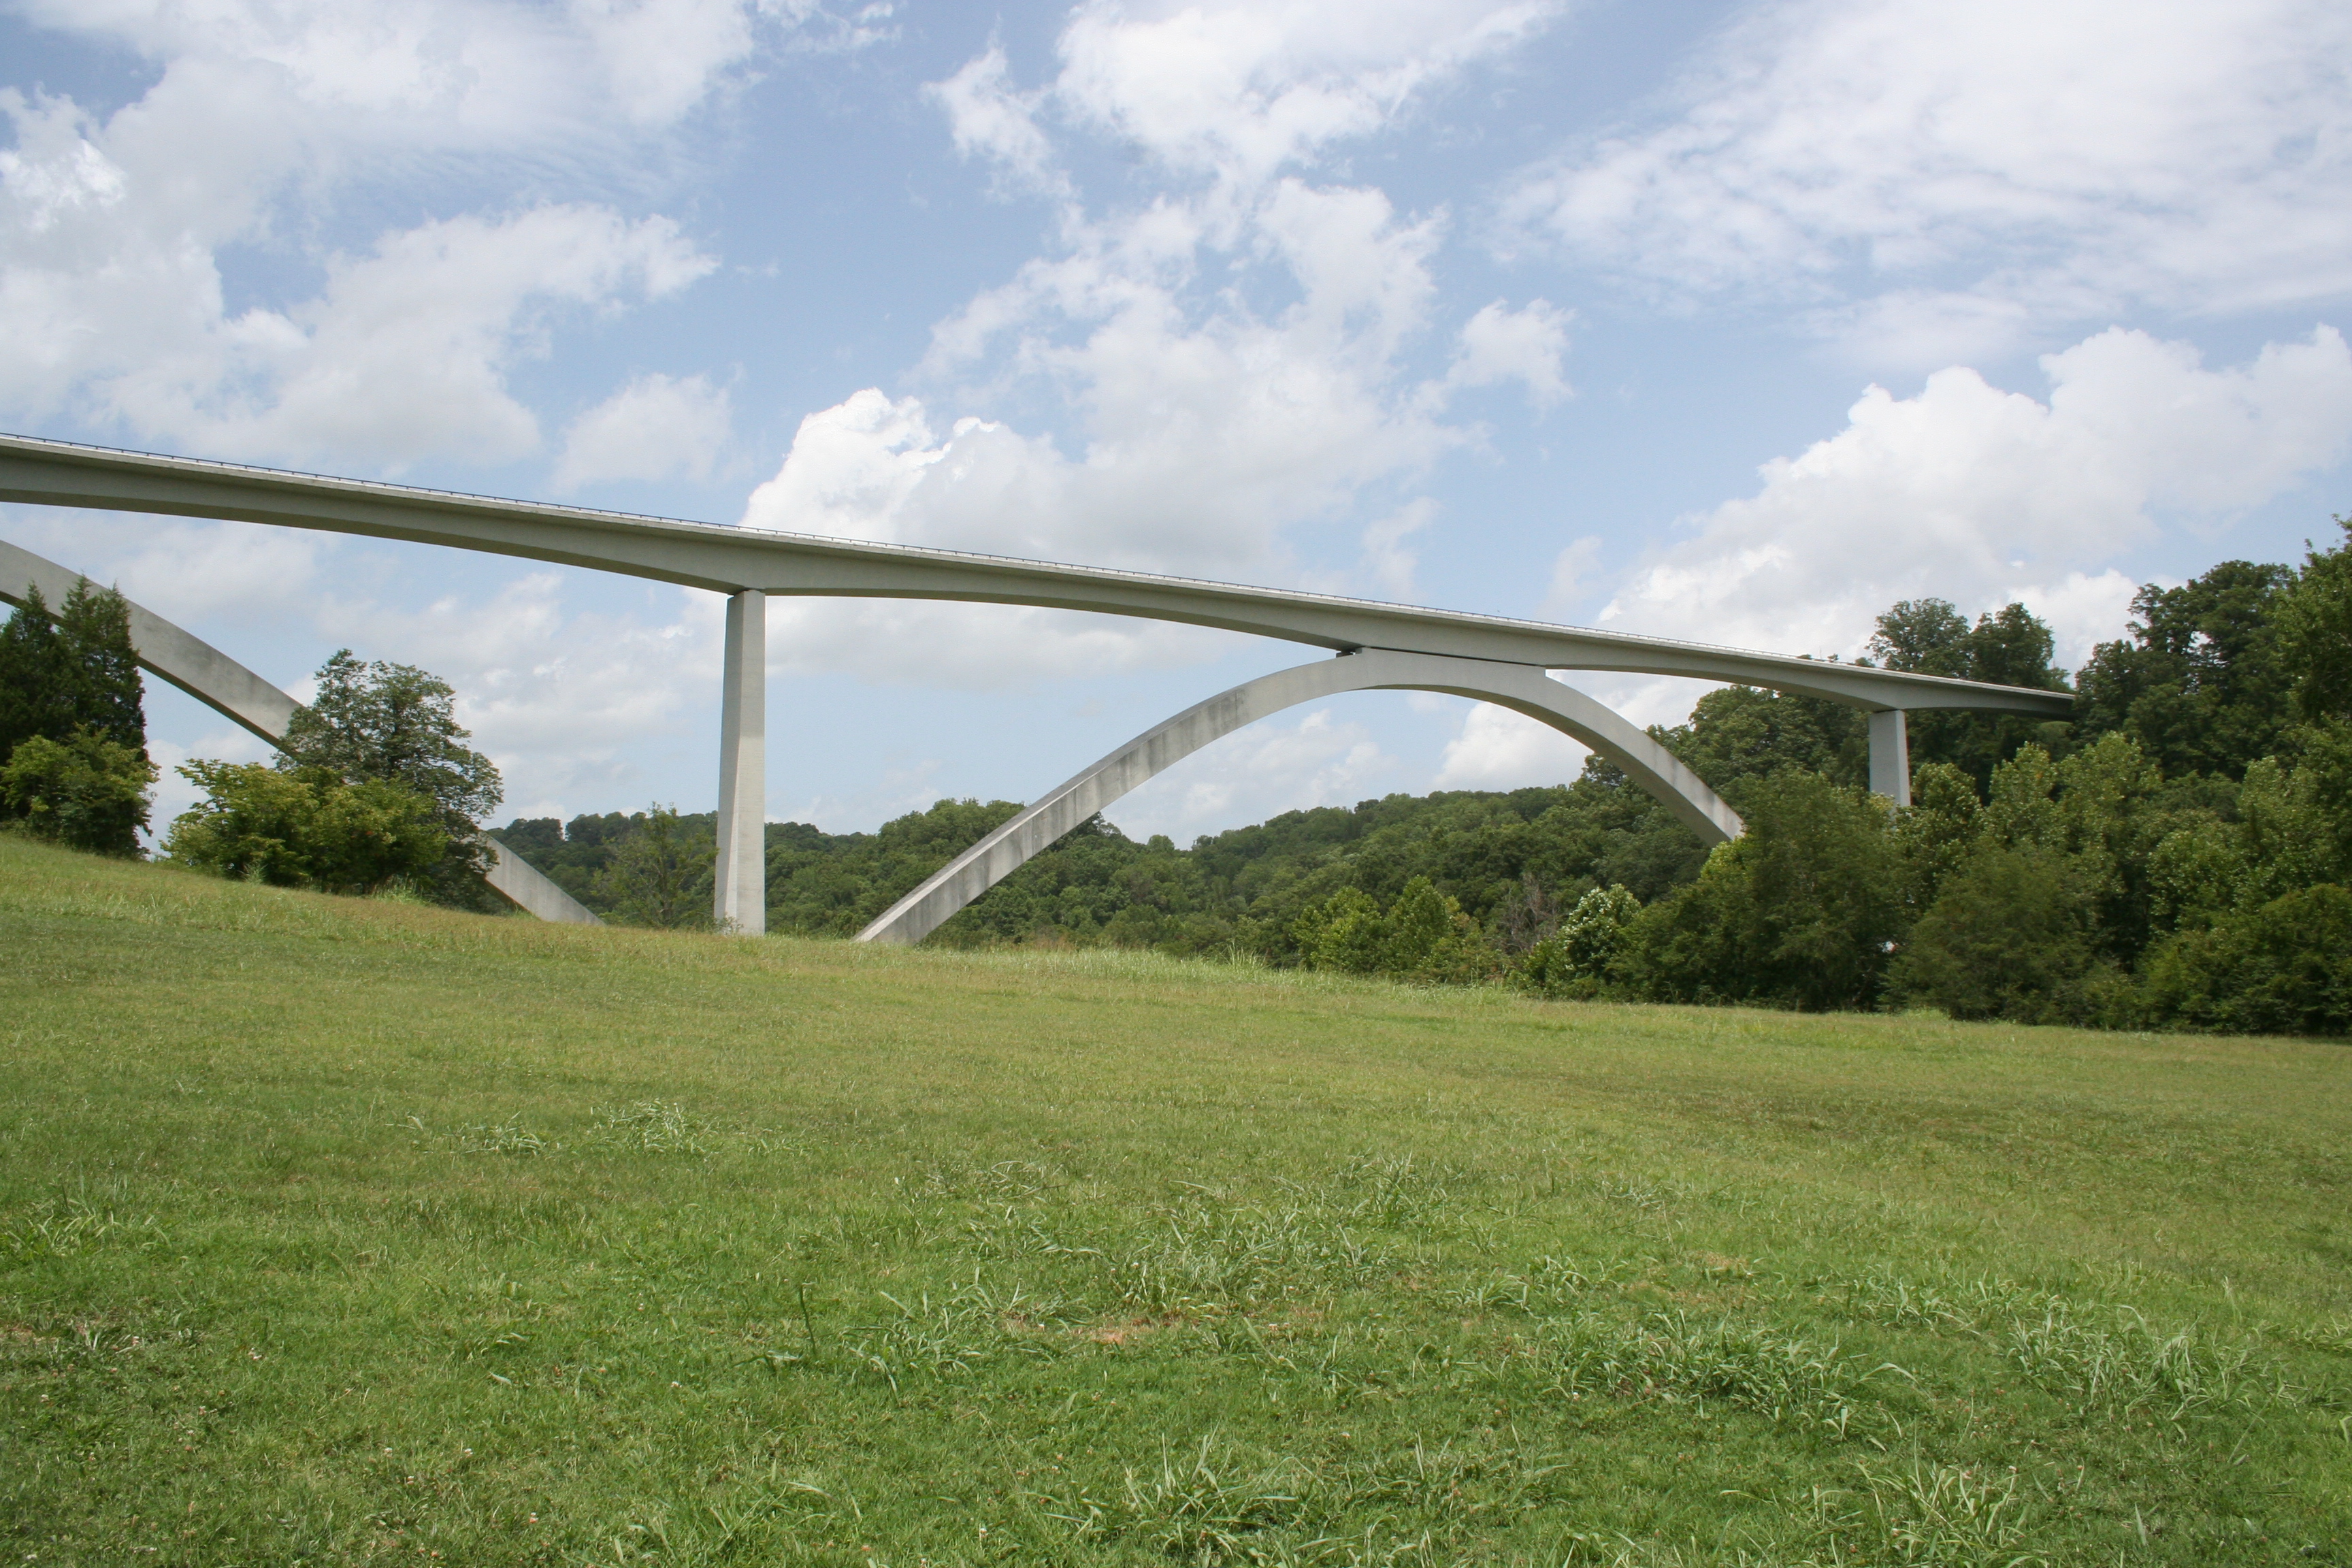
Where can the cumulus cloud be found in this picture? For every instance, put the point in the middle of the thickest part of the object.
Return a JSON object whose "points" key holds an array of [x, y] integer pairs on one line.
{"points": [[1498, 748], [992, 120], [261, 123], [1936, 180], [653, 429], [1971, 493], [1202, 438], [1235, 356], [1241, 90], [1500, 344]]}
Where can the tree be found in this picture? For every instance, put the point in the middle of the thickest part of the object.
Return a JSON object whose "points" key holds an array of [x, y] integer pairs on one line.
{"points": [[1574, 959], [2200, 682], [1422, 936], [1743, 732], [86, 792], [660, 873], [307, 828], [37, 680], [68, 670], [2281, 967], [1800, 911], [2008, 937], [106, 694], [397, 724], [2008, 646], [2315, 632]]}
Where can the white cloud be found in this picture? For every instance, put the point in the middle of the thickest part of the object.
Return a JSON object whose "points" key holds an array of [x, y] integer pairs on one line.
{"points": [[262, 121], [1204, 431], [654, 427], [1571, 576], [1243, 90], [1236, 357], [1977, 495], [1964, 172], [406, 351], [1526, 347], [990, 119], [184, 571], [1498, 748], [560, 699], [1269, 768]]}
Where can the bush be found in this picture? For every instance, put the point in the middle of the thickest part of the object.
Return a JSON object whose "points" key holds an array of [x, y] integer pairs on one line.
{"points": [[1574, 960], [86, 792], [1422, 937], [2008, 937], [2285, 967], [1801, 911], [661, 873], [307, 828]]}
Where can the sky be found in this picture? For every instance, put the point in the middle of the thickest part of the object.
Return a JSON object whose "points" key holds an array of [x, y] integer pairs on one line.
{"points": [[1731, 322]]}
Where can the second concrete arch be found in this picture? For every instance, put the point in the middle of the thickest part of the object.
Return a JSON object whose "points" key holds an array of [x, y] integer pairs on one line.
{"points": [[1520, 687]]}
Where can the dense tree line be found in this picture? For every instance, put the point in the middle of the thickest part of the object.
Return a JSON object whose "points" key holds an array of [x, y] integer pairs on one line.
{"points": [[2176, 854]]}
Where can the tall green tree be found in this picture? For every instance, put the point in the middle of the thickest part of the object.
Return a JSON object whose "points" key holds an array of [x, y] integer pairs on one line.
{"points": [[69, 668], [660, 873], [37, 676], [106, 693], [2315, 632], [397, 724], [2008, 647], [1744, 733], [2200, 680], [1799, 912], [69, 679]]}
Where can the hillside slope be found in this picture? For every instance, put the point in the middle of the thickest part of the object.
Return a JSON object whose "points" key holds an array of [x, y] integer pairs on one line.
{"points": [[350, 1231]]}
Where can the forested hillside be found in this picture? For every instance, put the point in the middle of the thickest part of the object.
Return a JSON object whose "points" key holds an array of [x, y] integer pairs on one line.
{"points": [[2176, 854]]}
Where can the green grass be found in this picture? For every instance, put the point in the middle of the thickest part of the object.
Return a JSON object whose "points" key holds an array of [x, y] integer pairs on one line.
{"points": [[344, 1231]]}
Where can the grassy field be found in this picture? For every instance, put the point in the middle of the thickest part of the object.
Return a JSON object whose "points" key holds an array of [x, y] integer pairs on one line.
{"points": [[344, 1231]]}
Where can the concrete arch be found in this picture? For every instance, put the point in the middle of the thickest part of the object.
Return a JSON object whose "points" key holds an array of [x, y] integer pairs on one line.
{"points": [[1517, 687], [236, 693]]}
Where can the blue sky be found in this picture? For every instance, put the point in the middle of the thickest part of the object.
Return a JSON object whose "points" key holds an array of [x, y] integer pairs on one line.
{"points": [[1732, 322]]}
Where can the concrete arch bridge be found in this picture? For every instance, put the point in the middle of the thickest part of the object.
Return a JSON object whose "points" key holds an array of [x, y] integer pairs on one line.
{"points": [[1381, 646]]}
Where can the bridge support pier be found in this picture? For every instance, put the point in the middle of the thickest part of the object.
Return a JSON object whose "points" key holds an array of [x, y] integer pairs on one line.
{"points": [[1890, 756], [739, 880]]}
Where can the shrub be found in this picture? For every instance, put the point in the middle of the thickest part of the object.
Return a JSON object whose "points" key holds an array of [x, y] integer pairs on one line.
{"points": [[1801, 911], [660, 873], [1423, 937], [2008, 937], [305, 828], [86, 792], [2285, 967], [1574, 960]]}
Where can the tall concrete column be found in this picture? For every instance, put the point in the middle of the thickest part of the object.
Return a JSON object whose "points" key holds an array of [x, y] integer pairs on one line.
{"points": [[740, 890], [1890, 756]]}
